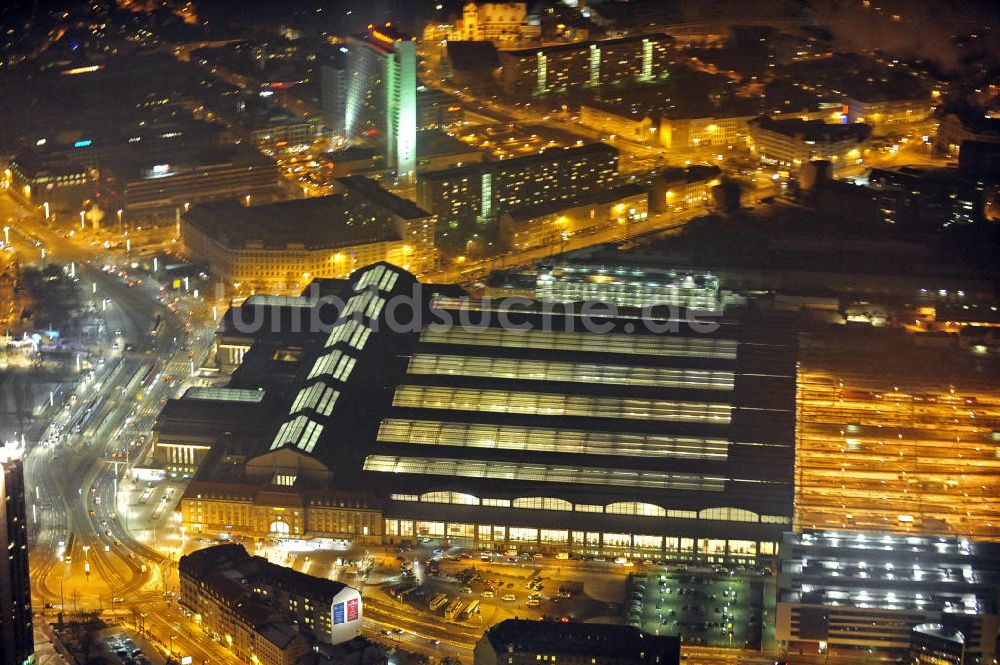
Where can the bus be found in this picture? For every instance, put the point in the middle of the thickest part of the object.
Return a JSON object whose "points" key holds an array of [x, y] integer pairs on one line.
{"points": [[471, 610], [453, 609], [438, 601]]}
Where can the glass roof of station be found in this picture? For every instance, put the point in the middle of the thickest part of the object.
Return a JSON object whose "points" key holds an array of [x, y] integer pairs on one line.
{"points": [[550, 440], [632, 344], [445, 466], [548, 370], [558, 404], [225, 394]]}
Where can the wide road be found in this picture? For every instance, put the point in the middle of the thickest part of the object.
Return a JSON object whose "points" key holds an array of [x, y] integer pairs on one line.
{"points": [[84, 555]]}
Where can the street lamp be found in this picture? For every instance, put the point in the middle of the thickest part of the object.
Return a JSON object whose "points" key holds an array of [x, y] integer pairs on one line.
{"points": [[83, 216]]}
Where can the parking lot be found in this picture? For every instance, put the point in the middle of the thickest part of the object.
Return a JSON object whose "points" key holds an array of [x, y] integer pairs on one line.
{"points": [[503, 589], [703, 607], [123, 649]]}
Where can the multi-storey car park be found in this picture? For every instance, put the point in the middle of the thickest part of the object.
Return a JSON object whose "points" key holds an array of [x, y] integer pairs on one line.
{"points": [[856, 592], [897, 435], [675, 444]]}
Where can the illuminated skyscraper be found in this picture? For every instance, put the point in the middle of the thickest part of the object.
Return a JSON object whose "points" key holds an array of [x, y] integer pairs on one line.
{"points": [[382, 94], [16, 640]]}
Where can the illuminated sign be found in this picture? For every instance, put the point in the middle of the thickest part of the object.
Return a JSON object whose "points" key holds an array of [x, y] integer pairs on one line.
{"points": [[338, 613], [82, 144], [382, 37], [352, 609]]}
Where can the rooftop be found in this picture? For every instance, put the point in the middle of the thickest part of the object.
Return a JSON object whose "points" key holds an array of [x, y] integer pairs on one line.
{"points": [[322, 222], [582, 639], [434, 142], [574, 46], [548, 155], [251, 570], [473, 56], [815, 131], [224, 394], [978, 122], [374, 193], [689, 174], [600, 197], [940, 632], [353, 153], [551, 409], [889, 571], [185, 160]]}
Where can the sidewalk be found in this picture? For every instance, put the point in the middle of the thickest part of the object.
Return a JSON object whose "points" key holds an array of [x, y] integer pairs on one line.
{"points": [[48, 650]]}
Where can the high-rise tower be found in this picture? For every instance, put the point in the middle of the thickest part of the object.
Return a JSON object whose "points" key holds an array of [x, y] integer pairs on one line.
{"points": [[17, 645], [381, 102]]}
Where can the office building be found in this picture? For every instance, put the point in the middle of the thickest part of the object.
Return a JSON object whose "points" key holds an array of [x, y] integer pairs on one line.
{"points": [[612, 120], [522, 642], [281, 247], [914, 197], [878, 111], [437, 108], [333, 90], [479, 193], [849, 592], [980, 161], [677, 132], [682, 188], [17, 644], [37, 178], [935, 644], [548, 224], [381, 103], [276, 130], [147, 188], [788, 144], [366, 200], [569, 67], [965, 125], [625, 286], [503, 23], [634, 442], [265, 612]]}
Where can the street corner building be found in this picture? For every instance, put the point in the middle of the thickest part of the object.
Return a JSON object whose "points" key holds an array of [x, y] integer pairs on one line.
{"points": [[264, 612], [547, 438], [281, 247]]}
